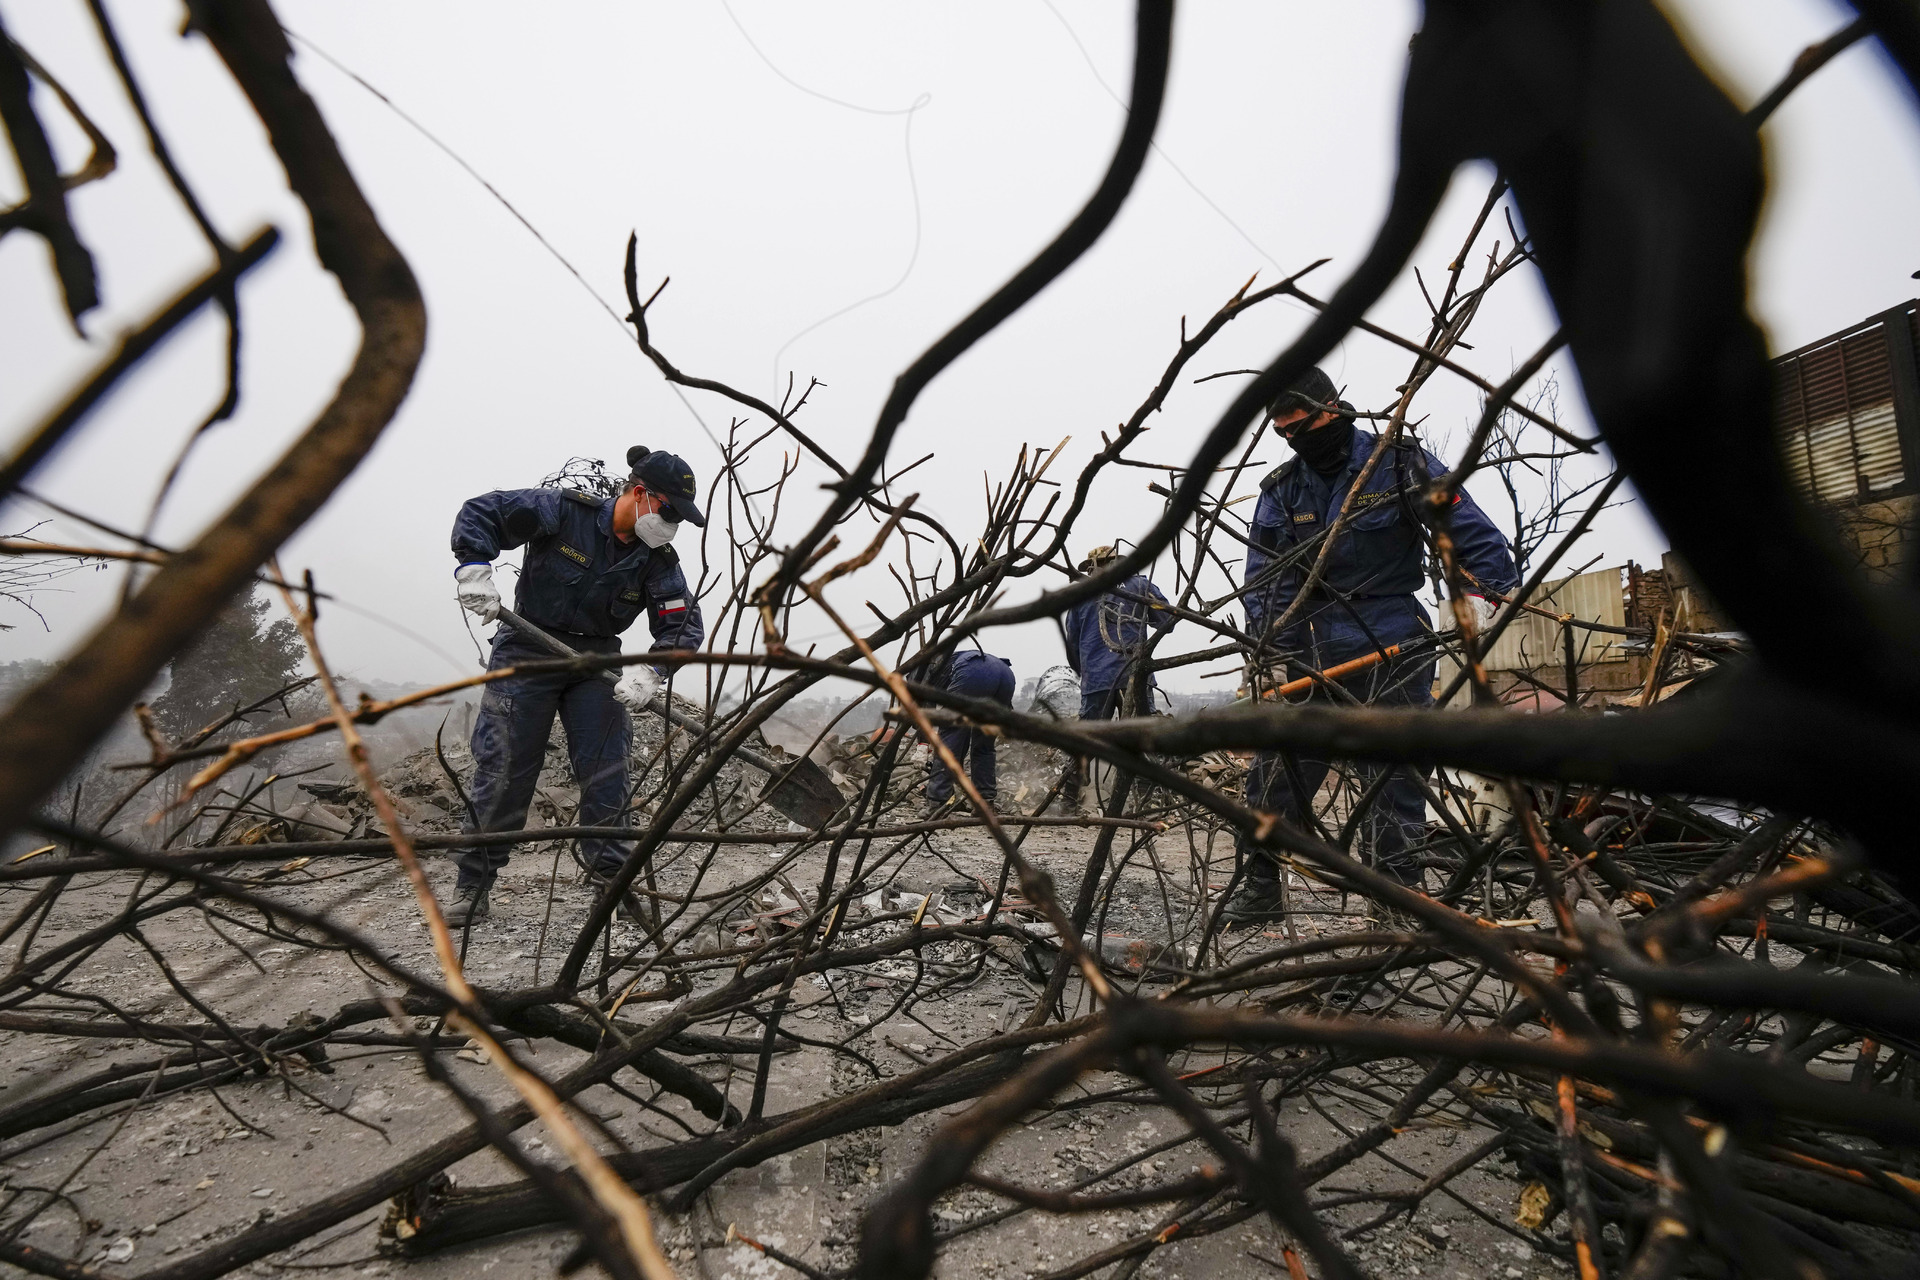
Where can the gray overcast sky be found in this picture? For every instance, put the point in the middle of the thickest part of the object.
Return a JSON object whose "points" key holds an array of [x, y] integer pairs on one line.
{"points": [[709, 131]]}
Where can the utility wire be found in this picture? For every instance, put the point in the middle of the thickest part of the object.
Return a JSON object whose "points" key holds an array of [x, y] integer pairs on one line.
{"points": [[1158, 150], [815, 93], [506, 204], [913, 184], [913, 258]]}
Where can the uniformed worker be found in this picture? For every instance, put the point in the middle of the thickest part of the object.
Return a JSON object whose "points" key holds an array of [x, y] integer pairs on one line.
{"points": [[976, 674], [1365, 605], [1105, 638], [1107, 634], [592, 565]]}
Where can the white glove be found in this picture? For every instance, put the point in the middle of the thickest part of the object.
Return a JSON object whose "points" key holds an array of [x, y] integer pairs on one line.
{"points": [[1484, 611], [476, 591], [637, 688]]}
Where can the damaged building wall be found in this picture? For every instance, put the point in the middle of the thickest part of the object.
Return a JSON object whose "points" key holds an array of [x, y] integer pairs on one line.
{"points": [[1847, 411]]}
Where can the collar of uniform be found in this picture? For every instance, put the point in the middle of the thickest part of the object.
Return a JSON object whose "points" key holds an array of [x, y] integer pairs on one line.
{"points": [[620, 555], [1363, 446]]}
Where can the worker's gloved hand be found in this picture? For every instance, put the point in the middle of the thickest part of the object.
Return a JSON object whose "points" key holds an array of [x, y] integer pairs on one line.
{"points": [[637, 688], [1484, 612], [478, 595]]}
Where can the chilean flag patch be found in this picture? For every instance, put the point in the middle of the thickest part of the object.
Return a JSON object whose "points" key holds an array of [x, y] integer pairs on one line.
{"points": [[674, 606]]}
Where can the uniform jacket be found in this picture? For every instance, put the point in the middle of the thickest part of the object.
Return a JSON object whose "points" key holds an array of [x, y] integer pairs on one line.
{"points": [[1104, 633], [577, 577], [1378, 561], [968, 671]]}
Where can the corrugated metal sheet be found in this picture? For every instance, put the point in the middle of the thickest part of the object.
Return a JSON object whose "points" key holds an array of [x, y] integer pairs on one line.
{"points": [[1833, 412], [1533, 641]]}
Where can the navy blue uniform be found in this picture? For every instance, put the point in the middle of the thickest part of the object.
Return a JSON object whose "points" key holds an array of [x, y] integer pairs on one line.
{"points": [[584, 586], [976, 675], [1366, 605], [1104, 636]]}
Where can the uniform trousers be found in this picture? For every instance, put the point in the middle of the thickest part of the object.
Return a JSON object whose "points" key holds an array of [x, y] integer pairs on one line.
{"points": [[510, 745], [992, 681], [1287, 784]]}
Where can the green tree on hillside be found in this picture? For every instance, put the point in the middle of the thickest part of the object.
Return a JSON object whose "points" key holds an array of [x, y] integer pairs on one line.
{"points": [[240, 659]]}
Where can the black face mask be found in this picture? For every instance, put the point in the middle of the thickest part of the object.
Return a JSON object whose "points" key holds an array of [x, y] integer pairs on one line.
{"points": [[1328, 449]]}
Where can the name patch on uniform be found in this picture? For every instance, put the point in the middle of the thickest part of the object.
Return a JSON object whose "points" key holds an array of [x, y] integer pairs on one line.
{"points": [[578, 557], [673, 606], [1305, 517], [629, 595]]}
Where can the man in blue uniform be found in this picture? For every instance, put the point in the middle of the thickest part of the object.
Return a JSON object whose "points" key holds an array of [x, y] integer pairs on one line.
{"points": [[1106, 635], [1105, 638], [977, 675], [1365, 605], [592, 564]]}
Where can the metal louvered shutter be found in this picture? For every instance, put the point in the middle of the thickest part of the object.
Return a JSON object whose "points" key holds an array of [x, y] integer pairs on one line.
{"points": [[1834, 415]]}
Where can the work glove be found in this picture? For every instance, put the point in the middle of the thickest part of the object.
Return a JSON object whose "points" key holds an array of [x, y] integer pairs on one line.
{"points": [[1484, 611], [637, 688], [478, 596]]}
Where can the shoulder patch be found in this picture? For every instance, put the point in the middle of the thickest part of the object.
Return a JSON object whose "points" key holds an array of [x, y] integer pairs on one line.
{"points": [[666, 555], [1280, 473], [584, 499]]}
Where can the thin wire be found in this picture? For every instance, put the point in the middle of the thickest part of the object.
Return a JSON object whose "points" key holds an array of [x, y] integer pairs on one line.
{"points": [[1157, 149], [1340, 348], [815, 93], [333, 599], [913, 186], [506, 204], [472, 172]]}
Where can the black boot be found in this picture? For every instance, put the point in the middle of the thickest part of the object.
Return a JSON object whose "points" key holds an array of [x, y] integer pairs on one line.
{"points": [[469, 906], [630, 905], [1256, 901]]}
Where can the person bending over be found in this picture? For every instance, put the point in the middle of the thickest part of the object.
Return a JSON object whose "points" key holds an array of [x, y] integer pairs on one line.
{"points": [[976, 675]]}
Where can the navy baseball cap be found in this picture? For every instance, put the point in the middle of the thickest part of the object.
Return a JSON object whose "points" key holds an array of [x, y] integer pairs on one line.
{"points": [[669, 476], [1311, 390]]}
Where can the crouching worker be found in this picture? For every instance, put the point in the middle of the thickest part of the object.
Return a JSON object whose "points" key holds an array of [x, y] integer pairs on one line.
{"points": [[592, 564], [972, 674]]}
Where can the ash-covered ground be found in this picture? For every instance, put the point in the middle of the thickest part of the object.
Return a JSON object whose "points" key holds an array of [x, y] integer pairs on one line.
{"points": [[171, 1170]]}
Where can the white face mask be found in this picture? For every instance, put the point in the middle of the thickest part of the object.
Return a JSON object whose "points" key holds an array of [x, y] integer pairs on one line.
{"points": [[655, 529]]}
